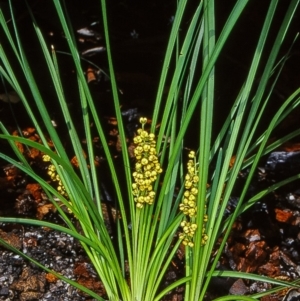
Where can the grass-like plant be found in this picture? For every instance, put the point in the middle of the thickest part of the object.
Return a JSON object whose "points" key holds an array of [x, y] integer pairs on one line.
{"points": [[180, 199]]}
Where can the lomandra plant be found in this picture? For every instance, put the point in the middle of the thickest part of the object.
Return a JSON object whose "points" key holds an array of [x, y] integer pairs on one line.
{"points": [[170, 197]]}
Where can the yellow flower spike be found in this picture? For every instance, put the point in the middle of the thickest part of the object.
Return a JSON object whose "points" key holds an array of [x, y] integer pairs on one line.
{"points": [[55, 178], [188, 204], [147, 166], [204, 239]]}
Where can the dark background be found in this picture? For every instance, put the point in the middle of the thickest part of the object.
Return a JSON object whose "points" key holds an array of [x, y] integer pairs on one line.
{"points": [[138, 60]]}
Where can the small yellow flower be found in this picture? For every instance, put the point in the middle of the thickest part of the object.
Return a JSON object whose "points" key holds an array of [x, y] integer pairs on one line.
{"points": [[192, 154], [194, 191], [51, 167], [46, 158], [50, 172], [144, 161], [143, 120]]}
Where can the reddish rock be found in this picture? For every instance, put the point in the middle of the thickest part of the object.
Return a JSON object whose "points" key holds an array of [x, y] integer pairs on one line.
{"points": [[252, 235], [283, 216], [275, 256], [269, 270]]}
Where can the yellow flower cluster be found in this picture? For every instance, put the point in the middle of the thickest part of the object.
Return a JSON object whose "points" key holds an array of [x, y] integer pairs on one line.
{"points": [[54, 176], [147, 166], [189, 206]]}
